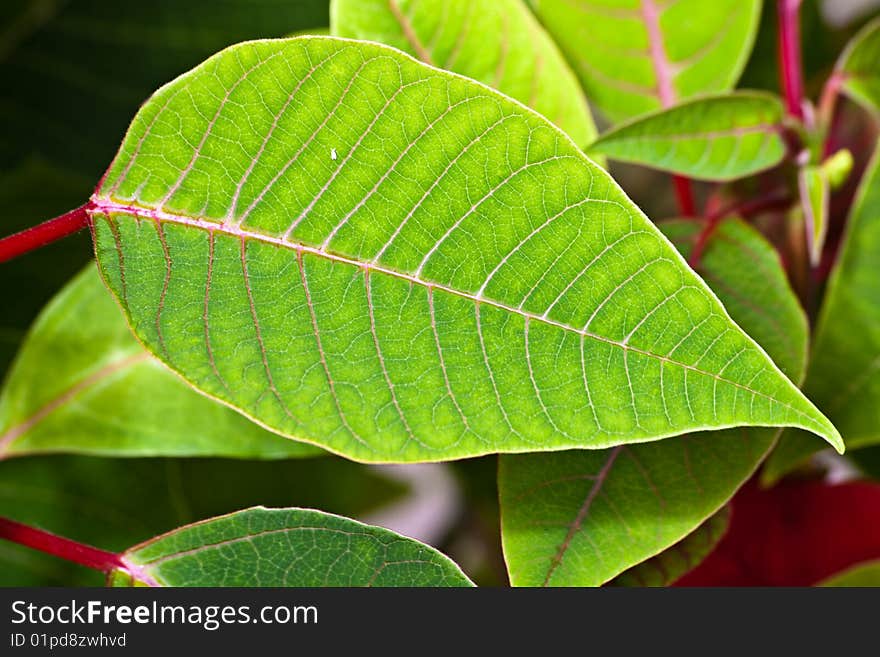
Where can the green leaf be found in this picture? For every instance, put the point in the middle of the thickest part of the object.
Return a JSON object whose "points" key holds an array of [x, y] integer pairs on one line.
{"points": [[814, 192], [863, 575], [497, 42], [843, 373], [859, 67], [635, 57], [285, 547], [684, 556], [400, 264], [115, 503], [582, 518], [715, 138], [107, 395]]}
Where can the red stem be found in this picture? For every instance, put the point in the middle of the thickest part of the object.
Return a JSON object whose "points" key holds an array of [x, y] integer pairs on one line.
{"points": [[84, 555], [790, 67], [44, 233], [684, 193]]}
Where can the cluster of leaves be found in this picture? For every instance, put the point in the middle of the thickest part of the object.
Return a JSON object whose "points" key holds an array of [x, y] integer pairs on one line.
{"points": [[391, 244]]}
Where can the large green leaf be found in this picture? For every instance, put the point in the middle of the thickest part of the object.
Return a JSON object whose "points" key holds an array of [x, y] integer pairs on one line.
{"points": [[285, 547], [400, 264], [498, 42], [582, 518], [115, 503], [107, 395], [636, 56], [673, 562], [859, 67], [714, 138], [843, 373]]}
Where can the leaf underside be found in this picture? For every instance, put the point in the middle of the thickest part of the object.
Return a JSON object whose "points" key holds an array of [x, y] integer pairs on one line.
{"points": [[399, 264], [285, 547], [716, 138], [635, 57], [497, 42], [582, 518]]}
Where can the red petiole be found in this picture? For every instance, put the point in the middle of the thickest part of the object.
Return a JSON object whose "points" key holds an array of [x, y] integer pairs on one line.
{"points": [[44, 233], [80, 553]]}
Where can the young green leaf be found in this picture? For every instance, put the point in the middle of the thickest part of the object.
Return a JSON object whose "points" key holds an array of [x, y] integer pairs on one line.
{"points": [[714, 138], [117, 502], [582, 518], [635, 56], [400, 264], [859, 67], [814, 191], [285, 547], [498, 42], [843, 374], [674, 562], [107, 395]]}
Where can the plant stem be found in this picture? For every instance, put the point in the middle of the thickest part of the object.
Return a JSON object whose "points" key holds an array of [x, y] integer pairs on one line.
{"points": [[84, 555], [684, 193], [827, 104], [44, 233], [790, 67]]}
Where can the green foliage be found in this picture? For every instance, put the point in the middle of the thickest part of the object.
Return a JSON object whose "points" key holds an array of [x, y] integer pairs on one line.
{"points": [[637, 57], [863, 575], [108, 396], [859, 67], [115, 503], [842, 377], [714, 138], [814, 191], [497, 42], [582, 518], [404, 275], [285, 547]]}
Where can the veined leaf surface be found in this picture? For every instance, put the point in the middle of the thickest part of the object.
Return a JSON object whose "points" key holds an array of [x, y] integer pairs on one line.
{"points": [[285, 547], [94, 401], [859, 67], [400, 264], [497, 42], [636, 56], [582, 518], [843, 373], [716, 138]]}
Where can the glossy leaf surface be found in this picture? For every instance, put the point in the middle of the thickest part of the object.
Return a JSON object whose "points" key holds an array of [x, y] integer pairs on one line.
{"points": [[636, 56], [717, 138], [582, 518], [107, 395], [399, 264], [497, 42], [286, 547]]}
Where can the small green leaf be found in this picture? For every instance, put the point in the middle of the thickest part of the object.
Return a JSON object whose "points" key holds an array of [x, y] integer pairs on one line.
{"points": [[814, 192], [843, 374], [107, 395], [679, 559], [582, 518], [636, 57], [838, 167], [114, 503], [715, 138], [863, 575], [400, 264], [286, 547], [859, 67], [497, 42]]}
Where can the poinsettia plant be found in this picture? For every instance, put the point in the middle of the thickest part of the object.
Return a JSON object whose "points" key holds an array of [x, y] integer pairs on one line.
{"points": [[396, 240]]}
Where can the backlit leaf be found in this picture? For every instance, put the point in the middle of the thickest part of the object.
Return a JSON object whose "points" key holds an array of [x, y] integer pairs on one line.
{"points": [[843, 374], [717, 138], [582, 518], [859, 67], [497, 42], [400, 264], [285, 547], [636, 56], [108, 395]]}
